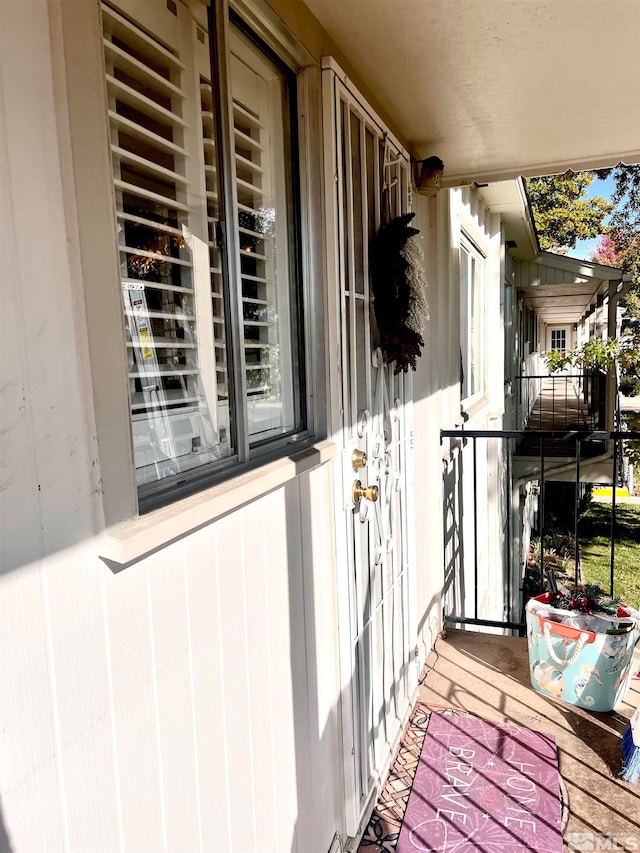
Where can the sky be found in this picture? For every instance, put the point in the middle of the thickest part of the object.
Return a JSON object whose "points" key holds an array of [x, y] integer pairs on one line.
{"points": [[583, 247]]}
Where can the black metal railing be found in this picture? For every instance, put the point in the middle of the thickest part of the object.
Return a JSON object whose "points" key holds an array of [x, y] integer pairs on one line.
{"points": [[594, 454], [559, 401]]}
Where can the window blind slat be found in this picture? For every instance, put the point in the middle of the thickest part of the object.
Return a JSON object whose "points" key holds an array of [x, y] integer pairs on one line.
{"points": [[117, 24], [170, 203], [144, 134], [140, 102], [134, 66], [147, 165]]}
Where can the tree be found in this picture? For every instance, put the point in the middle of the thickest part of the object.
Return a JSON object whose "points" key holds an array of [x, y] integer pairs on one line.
{"points": [[625, 198], [631, 422], [606, 252], [620, 247], [562, 212]]}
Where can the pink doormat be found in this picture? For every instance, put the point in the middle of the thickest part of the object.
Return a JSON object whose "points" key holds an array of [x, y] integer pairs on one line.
{"points": [[482, 786]]}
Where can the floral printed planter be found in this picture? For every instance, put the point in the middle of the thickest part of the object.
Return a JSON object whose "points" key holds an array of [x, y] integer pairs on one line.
{"points": [[587, 668]]}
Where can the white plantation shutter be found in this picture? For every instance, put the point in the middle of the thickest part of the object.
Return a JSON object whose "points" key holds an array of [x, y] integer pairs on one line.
{"points": [[176, 297], [177, 420]]}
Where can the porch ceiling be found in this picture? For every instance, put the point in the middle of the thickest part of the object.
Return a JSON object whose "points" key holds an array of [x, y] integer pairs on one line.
{"points": [[497, 88], [561, 304], [562, 290]]}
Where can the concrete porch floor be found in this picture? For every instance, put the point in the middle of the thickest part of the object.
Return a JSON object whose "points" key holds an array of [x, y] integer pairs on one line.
{"points": [[488, 676]]}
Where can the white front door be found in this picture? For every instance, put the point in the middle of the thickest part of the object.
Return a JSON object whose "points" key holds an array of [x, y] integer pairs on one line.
{"points": [[371, 415]]}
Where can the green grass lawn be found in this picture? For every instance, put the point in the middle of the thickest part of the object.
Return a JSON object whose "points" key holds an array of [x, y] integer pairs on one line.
{"points": [[595, 535]]}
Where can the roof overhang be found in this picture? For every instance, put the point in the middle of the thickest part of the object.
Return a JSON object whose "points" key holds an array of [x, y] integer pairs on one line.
{"points": [[509, 199], [498, 89], [563, 290]]}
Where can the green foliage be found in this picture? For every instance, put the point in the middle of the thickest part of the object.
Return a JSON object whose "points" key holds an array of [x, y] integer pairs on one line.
{"points": [[627, 245], [595, 354], [587, 599], [556, 360], [598, 353], [631, 422], [622, 240], [562, 212], [626, 196]]}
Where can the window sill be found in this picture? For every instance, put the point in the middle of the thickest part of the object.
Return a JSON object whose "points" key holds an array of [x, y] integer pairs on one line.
{"points": [[131, 540], [473, 407]]}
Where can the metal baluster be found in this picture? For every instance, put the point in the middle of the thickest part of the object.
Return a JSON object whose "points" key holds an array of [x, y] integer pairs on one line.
{"points": [[540, 386], [541, 511], [509, 530], [613, 515], [576, 520], [475, 527]]}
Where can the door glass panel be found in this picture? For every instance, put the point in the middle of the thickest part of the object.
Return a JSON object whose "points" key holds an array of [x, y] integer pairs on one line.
{"points": [[356, 182], [371, 183], [362, 354]]}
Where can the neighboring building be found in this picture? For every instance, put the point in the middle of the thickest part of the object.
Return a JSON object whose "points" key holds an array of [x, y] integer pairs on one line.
{"points": [[208, 639]]}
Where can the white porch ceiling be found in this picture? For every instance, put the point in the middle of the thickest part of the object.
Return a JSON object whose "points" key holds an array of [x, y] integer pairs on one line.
{"points": [[498, 88], [561, 304], [562, 290]]}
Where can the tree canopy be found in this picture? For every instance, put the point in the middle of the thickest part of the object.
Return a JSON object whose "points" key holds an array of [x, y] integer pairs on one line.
{"points": [[562, 212], [619, 246], [626, 196]]}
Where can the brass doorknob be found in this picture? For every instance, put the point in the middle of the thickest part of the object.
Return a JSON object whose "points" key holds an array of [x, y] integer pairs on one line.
{"points": [[358, 460], [369, 493]]}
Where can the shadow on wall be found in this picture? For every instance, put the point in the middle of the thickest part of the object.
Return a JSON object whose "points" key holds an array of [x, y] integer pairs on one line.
{"points": [[453, 592], [5, 844]]}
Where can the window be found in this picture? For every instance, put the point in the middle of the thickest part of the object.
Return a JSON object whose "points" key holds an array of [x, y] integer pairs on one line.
{"points": [[208, 245], [472, 321], [559, 340]]}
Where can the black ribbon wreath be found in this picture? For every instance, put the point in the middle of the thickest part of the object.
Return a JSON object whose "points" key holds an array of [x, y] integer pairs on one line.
{"points": [[392, 294]]}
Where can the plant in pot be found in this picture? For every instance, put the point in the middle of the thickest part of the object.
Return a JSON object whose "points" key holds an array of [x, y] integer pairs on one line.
{"points": [[595, 354], [581, 645]]}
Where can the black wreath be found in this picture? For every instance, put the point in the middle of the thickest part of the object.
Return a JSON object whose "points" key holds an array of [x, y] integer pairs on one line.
{"points": [[392, 297]]}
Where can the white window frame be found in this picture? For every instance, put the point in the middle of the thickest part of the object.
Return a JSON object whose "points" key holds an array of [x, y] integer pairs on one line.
{"points": [[559, 333], [88, 192], [466, 331]]}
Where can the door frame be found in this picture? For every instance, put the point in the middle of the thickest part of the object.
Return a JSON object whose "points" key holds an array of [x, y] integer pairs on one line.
{"points": [[354, 808]]}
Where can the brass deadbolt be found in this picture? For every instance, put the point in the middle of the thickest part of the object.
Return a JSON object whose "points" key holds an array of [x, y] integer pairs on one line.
{"points": [[369, 493], [358, 460]]}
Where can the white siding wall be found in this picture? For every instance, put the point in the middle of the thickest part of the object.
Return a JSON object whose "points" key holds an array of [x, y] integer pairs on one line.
{"points": [[438, 407], [187, 702], [184, 703]]}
